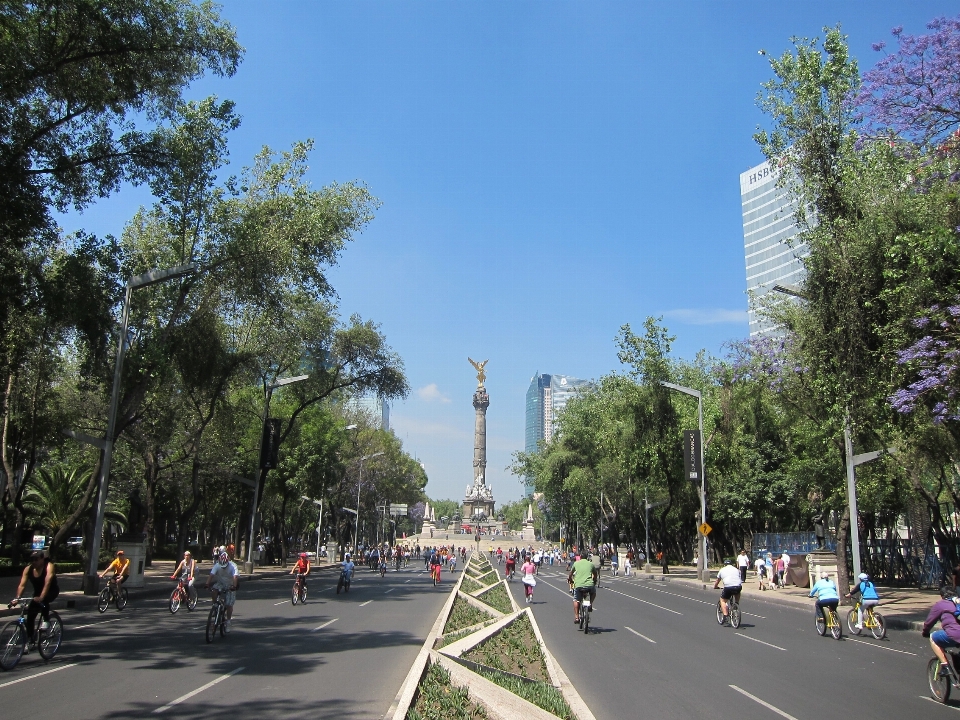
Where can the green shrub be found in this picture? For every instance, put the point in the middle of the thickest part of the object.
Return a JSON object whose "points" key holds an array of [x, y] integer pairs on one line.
{"points": [[470, 585], [438, 699], [540, 694], [496, 597], [463, 614], [514, 649]]}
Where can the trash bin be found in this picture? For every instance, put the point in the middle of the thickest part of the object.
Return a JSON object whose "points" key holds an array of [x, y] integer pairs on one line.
{"points": [[136, 553]]}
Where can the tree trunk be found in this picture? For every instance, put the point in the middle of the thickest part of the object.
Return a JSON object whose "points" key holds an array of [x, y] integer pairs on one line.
{"points": [[843, 576], [186, 516], [150, 473]]}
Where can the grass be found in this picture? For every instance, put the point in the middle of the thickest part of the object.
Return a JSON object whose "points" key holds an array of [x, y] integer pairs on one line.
{"points": [[438, 699], [496, 597], [540, 694], [514, 650], [488, 578], [470, 585], [463, 614]]}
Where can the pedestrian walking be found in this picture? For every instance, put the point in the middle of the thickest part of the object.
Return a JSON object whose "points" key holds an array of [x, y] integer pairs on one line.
{"points": [[529, 581], [628, 563], [614, 562], [743, 562]]}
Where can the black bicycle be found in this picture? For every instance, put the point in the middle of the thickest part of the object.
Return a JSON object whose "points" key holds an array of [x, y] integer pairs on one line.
{"points": [[217, 619], [586, 610], [343, 582], [115, 593], [14, 636]]}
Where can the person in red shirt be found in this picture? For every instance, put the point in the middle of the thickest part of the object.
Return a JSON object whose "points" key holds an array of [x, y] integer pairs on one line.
{"points": [[302, 567]]}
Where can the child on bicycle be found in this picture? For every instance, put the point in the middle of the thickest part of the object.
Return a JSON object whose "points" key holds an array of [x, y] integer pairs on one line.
{"points": [[302, 567], [868, 596]]}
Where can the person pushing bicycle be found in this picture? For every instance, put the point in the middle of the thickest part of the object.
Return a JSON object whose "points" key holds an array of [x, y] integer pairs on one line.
{"points": [[302, 567], [732, 585]]}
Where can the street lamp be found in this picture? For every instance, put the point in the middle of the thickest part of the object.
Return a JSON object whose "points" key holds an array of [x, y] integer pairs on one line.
{"points": [[356, 525], [91, 585], [256, 490], [702, 571]]}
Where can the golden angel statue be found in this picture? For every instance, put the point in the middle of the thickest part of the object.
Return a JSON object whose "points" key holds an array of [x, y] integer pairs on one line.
{"points": [[481, 375]]}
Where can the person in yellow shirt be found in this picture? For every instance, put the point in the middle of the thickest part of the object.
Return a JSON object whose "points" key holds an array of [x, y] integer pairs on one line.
{"points": [[120, 567]]}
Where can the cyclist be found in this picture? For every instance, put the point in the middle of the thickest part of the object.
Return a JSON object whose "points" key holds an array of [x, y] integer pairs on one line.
{"points": [[121, 569], [347, 570], [43, 577], [435, 564], [732, 585], [948, 636], [827, 595], [511, 566], [868, 596], [302, 568], [185, 570], [583, 577], [223, 578]]}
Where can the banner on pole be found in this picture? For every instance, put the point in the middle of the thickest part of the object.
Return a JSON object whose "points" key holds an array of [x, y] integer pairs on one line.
{"points": [[691, 455]]}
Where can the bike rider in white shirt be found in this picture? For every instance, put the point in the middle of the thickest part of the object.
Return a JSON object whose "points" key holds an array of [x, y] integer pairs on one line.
{"points": [[224, 578], [730, 577]]}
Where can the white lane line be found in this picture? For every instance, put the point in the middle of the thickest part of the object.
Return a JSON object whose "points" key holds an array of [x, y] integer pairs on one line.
{"points": [[641, 635], [281, 603], [388, 591], [882, 647], [767, 705], [31, 677], [747, 637], [102, 622], [366, 603], [328, 622], [685, 597], [406, 581], [922, 697], [199, 690], [645, 602]]}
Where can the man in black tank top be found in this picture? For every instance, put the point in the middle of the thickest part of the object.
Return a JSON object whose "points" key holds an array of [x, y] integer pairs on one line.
{"points": [[43, 577]]}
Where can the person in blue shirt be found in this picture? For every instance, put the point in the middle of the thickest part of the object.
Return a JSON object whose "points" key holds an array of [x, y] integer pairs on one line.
{"points": [[868, 596], [827, 595]]}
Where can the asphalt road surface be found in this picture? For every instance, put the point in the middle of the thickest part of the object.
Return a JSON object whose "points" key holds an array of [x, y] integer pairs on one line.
{"points": [[656, 651], [342, 656]]}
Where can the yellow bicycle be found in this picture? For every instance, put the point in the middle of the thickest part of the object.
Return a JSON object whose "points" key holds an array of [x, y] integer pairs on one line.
{"points": [[871, 619], [827, 619]]}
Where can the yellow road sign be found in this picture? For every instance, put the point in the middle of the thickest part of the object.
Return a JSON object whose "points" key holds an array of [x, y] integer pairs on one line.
{"points": [[705, 529]]}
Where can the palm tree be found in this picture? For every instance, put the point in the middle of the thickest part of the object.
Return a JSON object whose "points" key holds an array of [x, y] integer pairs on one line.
{"points": [[54, 495]]}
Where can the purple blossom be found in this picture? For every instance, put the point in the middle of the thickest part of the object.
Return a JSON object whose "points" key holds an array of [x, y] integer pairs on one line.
{"points": [[934, 358], [878, 46]]}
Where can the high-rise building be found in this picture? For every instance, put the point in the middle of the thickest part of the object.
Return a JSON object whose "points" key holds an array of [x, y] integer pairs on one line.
{"points": [[772, 256], [547, 396], [374, 408]]}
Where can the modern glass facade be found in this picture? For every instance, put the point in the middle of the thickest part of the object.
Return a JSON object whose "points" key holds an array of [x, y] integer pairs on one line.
{"points": [[768, 230], [547, 396], [374, 408]]}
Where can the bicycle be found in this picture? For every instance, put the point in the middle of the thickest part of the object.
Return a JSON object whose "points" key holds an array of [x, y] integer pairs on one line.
{"points": [[216, 620], [299, 592], [383, 568], [871, 619], [586, 610], [942, 676], [344, 581], [182, 592], [435, 574], [112, 593], [828, 618], [733, 610], [13, 636]]}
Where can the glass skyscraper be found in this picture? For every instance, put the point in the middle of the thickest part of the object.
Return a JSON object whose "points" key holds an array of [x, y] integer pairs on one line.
{"points": [[547, 396], [772, 258]]}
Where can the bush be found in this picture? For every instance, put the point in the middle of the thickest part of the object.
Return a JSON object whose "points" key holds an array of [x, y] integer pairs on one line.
{"points": [[437, 699], [496, 597], [463, 615], [540, 694]]}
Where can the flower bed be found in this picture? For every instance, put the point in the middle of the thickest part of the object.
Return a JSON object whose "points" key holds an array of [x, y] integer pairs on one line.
{"points": [[496, 597], [437, 699], [514, 650], [470, 585], [463, 614], [540, 694]]}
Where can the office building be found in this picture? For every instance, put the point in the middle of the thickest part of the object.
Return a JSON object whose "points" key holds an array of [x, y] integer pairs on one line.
{"points": [[772, 256], [374, 408], [547, 396]]}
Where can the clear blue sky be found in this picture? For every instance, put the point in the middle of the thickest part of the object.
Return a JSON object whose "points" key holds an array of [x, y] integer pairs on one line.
{"points": [[548, 171]]}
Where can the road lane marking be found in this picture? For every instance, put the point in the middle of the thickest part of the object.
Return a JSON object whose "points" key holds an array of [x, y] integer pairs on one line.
{"points": [[882, 647], [641, 635], [406, 581], [747, 637], [281, 603], [922, 697], [103, 622], [366, 603], [199, 690], [31, 677], [767, 705], [645, 602], [328, 622], [390, 590]]}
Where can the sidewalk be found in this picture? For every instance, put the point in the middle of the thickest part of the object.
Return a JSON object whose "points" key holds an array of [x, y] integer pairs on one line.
{"points": [[902, 608], [157, 583]]}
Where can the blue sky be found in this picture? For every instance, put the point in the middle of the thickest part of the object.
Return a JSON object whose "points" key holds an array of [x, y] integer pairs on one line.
{"points": [[548, 170]]}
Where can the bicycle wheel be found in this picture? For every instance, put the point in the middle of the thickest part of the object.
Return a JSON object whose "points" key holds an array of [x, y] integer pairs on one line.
{"points": [[303, 594], [191, 599], [720, 617], [586, 620], [213, 619], [295, 595], [836, 629], [339, 584], [735, 615], [821, 625], [852, 622], [175, 601], [939, 684], [104, 601], [583, 616], [122, 598], [49, 640], [879, 627], [13, 640]]}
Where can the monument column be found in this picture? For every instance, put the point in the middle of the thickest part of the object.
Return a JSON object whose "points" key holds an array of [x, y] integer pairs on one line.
{"points": [[481, 401]]}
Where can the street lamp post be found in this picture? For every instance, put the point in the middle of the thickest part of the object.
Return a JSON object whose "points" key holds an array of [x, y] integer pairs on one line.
{"points": [[702, 571], [256, 489], [91, 585], [356, 526]]}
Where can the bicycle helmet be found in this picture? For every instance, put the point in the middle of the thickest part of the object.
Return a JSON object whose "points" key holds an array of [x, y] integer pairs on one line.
{"points": [[947, 592], [224, 558], [303, 555], [727, 561], [863, 576]]}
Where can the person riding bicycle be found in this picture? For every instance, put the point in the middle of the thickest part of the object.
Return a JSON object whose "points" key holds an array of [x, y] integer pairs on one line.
{"points": [[732, 585], [944, 612], [120, 567], [185, 570], [223, 578], [347, 568], [583, 576], [436, 562], [868, 596], [511, 566], [826, 593], [302, 568], [43, 577]]}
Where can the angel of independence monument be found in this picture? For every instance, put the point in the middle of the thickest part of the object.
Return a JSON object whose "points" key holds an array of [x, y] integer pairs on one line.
{"points": [[478, 503]]}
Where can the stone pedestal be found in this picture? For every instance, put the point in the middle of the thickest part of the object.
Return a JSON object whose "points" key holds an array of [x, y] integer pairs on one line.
{"points": [[820, 561], [136, 553], [529, 533]]}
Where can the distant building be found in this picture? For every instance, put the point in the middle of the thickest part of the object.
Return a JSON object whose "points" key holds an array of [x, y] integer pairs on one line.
{"points": [[374, 408], [547, 396], [768, 228]]}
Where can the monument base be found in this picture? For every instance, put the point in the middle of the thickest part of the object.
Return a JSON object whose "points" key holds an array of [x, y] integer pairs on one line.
{"points": [[529, 533]]}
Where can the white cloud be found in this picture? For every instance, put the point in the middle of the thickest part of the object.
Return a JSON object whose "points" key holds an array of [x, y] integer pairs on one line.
{"points": [[431, 393], [707, 316]]}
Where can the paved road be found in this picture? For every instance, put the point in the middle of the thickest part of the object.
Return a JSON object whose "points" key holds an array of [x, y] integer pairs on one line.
{"points": [[339, 655], [658, 652]]}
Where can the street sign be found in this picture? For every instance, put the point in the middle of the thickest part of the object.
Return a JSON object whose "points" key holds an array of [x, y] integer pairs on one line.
{"points": [[270, 444], [705, 529], [398, 508]]}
